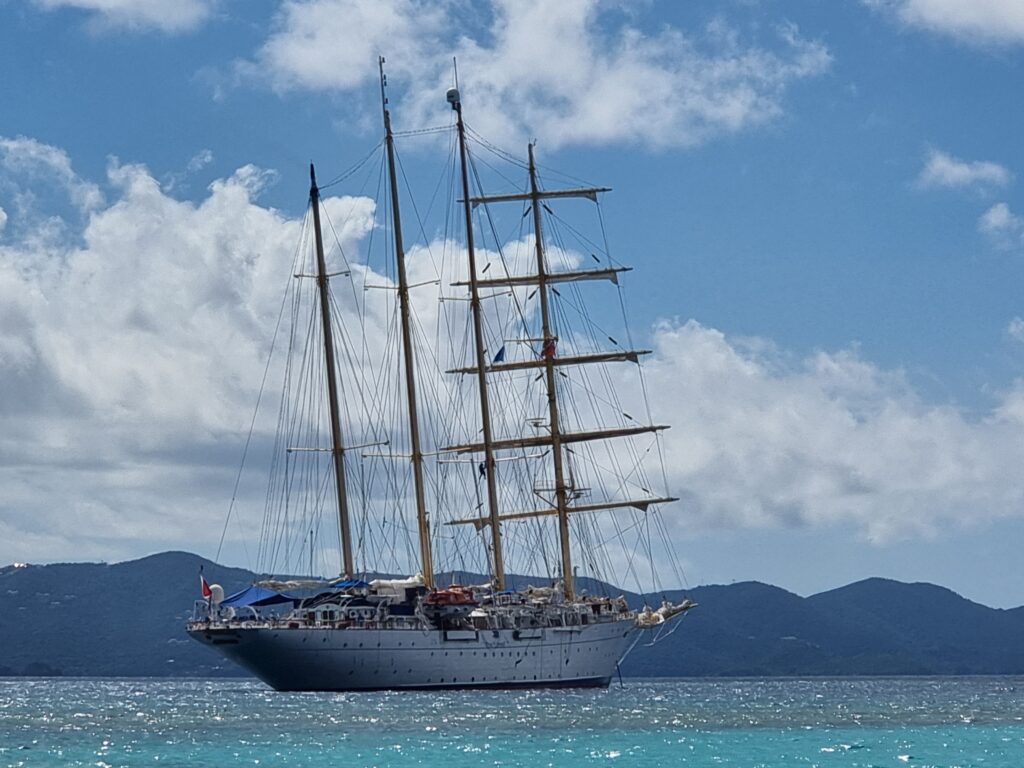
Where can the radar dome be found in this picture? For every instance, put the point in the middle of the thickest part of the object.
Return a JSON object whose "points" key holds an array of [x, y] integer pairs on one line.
{"points": [[216, 594]]}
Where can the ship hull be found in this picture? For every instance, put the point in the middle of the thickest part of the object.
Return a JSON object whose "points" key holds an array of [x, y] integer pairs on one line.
{"points": [[326, 659]]}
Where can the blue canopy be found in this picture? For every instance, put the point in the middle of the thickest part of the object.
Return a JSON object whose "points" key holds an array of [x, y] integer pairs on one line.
{"points": [[350, 584], [257, 596]]}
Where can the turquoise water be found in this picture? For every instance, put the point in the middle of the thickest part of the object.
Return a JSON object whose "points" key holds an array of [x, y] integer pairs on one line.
{"points": [[751, 723]]}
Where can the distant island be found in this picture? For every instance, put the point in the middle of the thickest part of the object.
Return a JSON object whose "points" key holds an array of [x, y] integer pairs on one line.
{"points": [[127, 619]]}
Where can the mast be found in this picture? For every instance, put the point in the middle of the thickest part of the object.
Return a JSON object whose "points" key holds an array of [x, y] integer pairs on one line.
{"points": [[337, 445], [481, 362], [557, 438], [548, 355], [422, 521]]}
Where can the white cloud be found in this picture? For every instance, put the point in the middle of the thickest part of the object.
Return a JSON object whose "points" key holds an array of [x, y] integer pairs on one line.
{"points": [[334, 44], [131, 353], [942, 170], [561, 71], [3, 220], [178, 180], [757, 441], [976, 21], [163, 15], [28, 157], [1003, 226], [1015, 330], [200, 160], [129, 349]]}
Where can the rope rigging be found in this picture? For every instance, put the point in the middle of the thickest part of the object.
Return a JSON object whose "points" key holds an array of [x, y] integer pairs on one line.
{"points": [[617, 546]]}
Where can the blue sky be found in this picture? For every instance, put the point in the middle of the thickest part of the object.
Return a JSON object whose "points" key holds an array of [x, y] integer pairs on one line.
{"points": [[822, 200]]}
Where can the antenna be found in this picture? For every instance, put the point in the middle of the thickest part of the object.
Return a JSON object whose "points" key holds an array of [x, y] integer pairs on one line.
{"points": [[383, 85], [452, 94]]}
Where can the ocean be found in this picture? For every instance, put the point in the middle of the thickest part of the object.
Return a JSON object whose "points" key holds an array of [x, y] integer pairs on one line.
{"points": [[754, 723]]}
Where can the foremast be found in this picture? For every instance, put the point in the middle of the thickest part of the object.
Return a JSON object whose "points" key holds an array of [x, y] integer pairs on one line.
{"points": [[416, 451], [337, 443]]}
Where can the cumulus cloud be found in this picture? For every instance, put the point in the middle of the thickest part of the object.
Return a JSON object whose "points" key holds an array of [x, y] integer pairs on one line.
{"points": [[976, 21], [760, 441], [168, 16], [129, 349], [22, 156], [199, 160], [567, 71], [1015, 330], [943, 171], [131, 355], [334, 44], [1003, 226]]}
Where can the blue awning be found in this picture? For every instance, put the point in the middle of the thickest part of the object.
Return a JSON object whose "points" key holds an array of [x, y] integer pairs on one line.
{"points": [[350, 584], [257, 596]]}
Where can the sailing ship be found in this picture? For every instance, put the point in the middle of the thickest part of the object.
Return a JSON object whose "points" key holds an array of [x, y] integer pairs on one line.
{"points": [[356, 632]]}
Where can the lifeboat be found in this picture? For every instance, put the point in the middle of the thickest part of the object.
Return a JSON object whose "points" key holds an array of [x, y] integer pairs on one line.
{"points": [[452, 596]]}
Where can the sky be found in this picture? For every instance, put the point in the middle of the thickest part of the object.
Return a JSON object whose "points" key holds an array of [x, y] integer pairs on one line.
{"points": [[822, 202]]}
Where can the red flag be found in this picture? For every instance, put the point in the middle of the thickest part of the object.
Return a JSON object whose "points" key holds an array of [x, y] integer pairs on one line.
{"points": [[205, 587], [549, 349]]}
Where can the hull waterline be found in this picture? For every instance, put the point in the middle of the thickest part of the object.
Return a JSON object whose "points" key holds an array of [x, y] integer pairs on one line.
{"points": [[325, 659]]}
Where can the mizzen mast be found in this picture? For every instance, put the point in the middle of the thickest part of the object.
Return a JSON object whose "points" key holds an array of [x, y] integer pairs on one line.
{"points": [[489, 465], [337, 444], [422, 519]]}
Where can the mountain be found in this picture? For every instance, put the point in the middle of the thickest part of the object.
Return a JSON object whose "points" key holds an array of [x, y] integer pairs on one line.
{"points": [[98, 619], [128, 619], [950, 635]]}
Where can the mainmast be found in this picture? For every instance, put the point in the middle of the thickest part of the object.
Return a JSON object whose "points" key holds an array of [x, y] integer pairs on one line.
{"points": [[337, 445], [548, 355], [423, 522], [490, 467]]}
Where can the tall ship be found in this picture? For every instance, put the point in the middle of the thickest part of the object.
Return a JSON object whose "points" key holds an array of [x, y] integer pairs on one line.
{"points": [[502, 444]]}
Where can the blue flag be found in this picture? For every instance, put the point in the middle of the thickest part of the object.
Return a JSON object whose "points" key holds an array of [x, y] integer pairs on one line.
{"points": [[500, 357]]}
